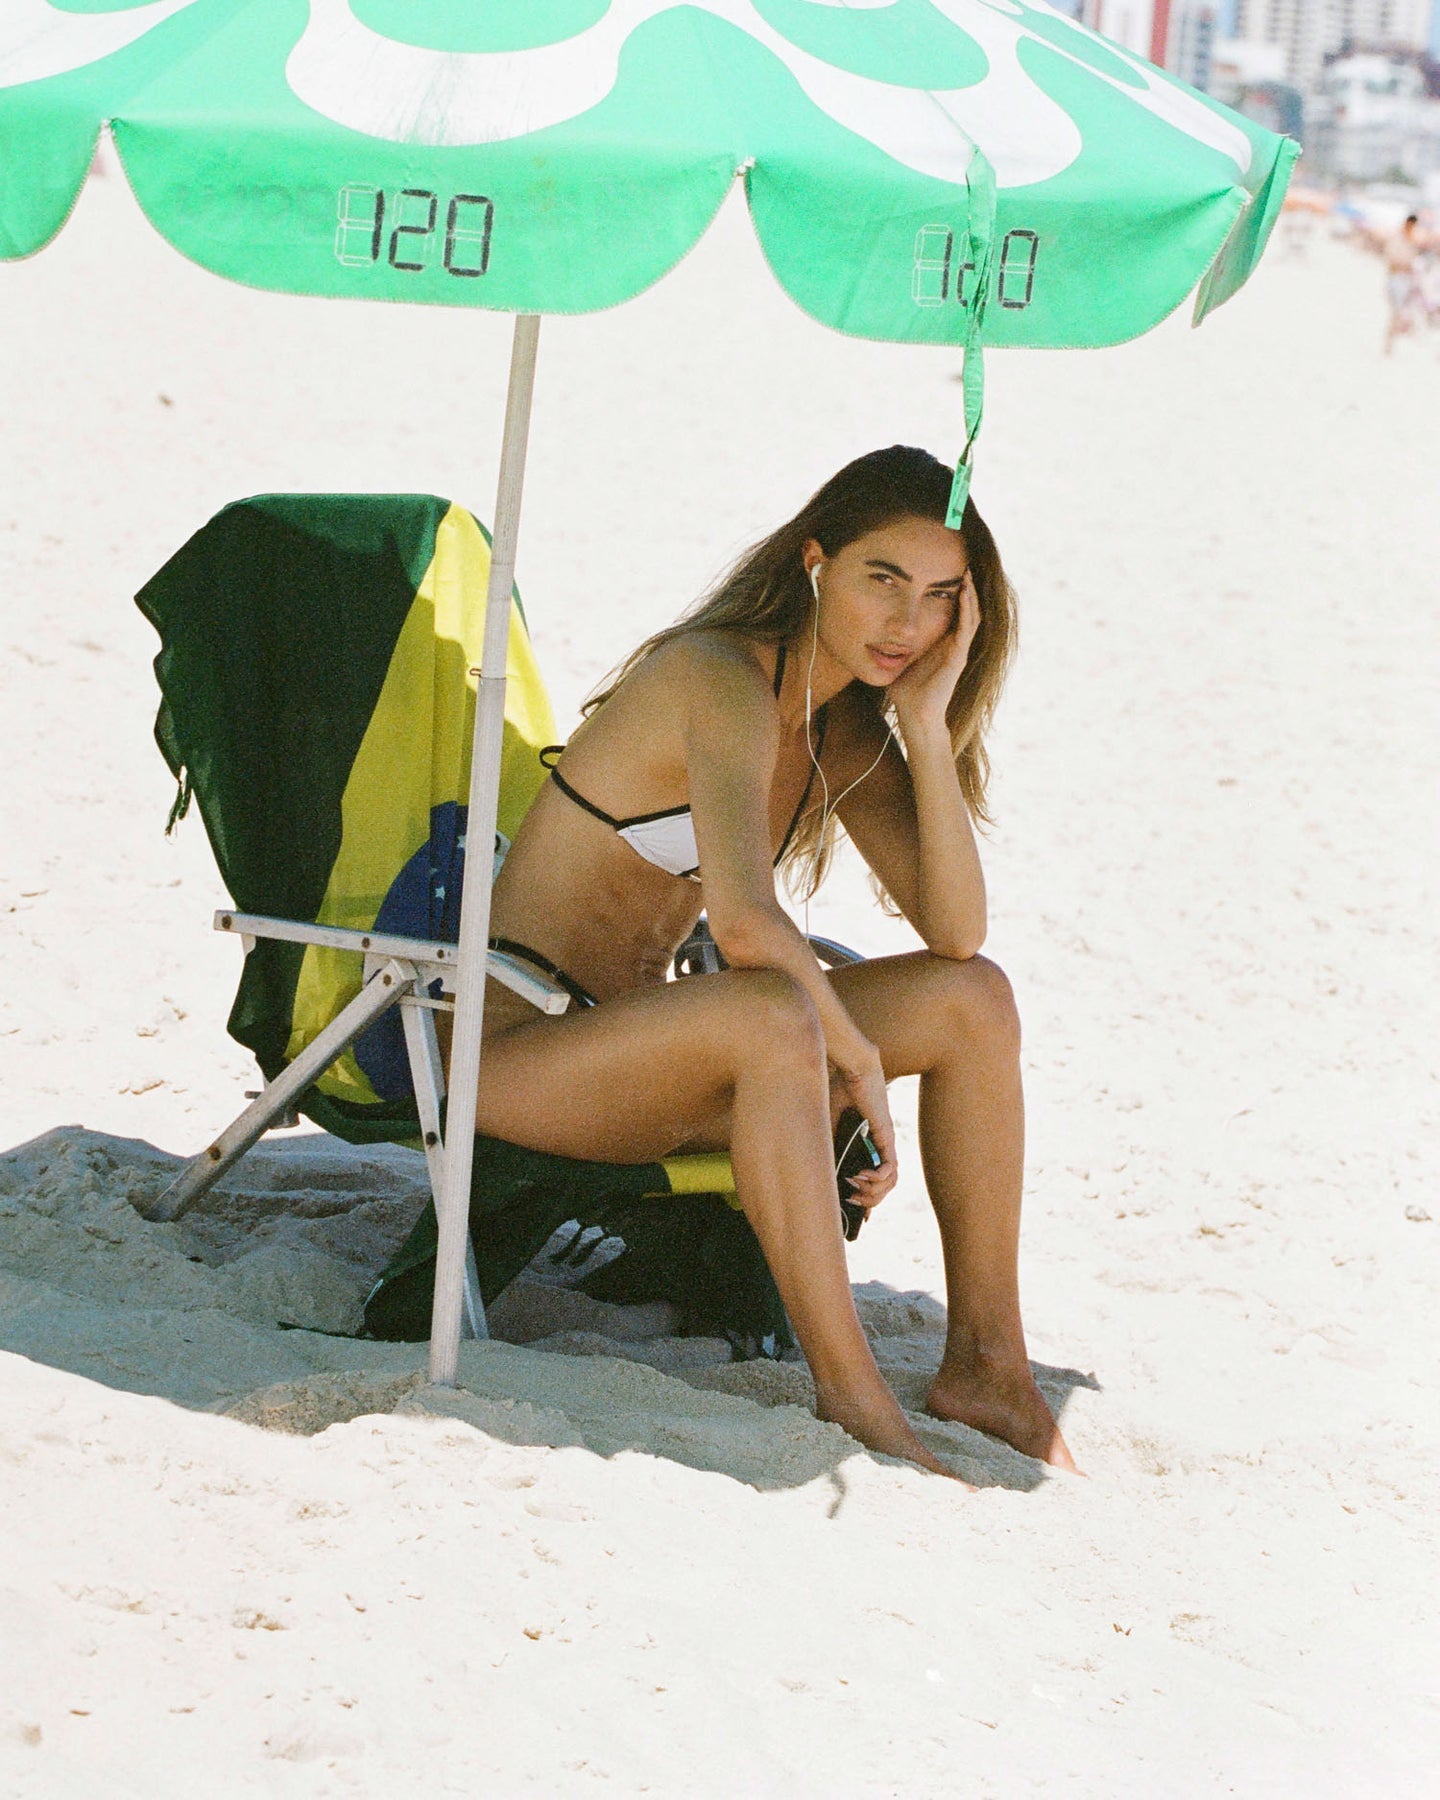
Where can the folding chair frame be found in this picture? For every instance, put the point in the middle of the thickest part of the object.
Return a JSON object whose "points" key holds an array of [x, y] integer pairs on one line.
{"points": [[399, 972]]}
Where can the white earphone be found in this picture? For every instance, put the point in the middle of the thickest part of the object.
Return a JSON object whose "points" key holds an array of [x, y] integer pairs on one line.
{"points": [[828, 805]]}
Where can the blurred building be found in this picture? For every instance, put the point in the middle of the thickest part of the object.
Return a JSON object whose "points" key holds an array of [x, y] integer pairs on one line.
{"points": [[1348, 77], [1190, 46], [1129, 22], [1357, 71], [1179, 35], [1374, 119], [1306, 32], [1239, 64]]}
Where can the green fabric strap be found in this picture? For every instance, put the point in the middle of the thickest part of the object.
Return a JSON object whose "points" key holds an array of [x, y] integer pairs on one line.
{"points": [[980, 183]]}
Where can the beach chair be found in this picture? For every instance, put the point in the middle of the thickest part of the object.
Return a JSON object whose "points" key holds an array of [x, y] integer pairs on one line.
{"points": [[317, 668]]}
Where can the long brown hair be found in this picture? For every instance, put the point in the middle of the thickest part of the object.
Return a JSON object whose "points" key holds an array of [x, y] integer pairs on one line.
{"points": [[765, 596]]}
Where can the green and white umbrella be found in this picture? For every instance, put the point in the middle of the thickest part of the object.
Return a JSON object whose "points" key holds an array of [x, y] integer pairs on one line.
{"points": [[561, 155], [969, 172]]}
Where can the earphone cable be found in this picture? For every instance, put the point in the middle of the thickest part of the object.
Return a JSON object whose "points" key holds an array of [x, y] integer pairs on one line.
{"points": [[850, 1143], [828, 807]]}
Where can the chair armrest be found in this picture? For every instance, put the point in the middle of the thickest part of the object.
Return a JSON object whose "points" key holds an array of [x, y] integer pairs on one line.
{"points": [[431, 959], [833, 955], [700, 954]]}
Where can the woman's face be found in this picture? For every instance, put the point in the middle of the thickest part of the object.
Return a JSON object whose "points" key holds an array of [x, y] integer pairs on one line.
{"points": [[887, 598]]}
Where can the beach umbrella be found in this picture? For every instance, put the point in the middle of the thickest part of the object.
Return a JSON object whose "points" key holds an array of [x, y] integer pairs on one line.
{"points": [[976, 173]]}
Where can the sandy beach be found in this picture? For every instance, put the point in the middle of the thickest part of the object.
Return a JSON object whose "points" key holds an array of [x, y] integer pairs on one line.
{"points": [[241, 1559]]}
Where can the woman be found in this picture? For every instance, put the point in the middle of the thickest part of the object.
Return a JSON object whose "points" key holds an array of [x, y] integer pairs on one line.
{"points": [[727, 746]]}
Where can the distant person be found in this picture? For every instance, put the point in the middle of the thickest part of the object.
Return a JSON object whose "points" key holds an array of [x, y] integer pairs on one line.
{"points": [[1427, 279], [1402, 251]]}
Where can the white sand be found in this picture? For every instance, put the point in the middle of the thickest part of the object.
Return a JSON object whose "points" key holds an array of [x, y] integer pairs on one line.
{"points": [[1214, 885]]}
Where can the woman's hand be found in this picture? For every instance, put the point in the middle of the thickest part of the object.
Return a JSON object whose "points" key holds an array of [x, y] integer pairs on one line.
{"points": [[864, 1087], [921, 695]]}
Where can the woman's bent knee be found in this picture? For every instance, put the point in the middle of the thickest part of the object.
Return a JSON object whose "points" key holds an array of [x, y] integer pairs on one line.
{"points": [[981, 1001], [776, 1021]]}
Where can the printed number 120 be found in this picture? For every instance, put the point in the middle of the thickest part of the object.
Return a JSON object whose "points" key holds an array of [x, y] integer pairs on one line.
{"points": [[412, 215]]}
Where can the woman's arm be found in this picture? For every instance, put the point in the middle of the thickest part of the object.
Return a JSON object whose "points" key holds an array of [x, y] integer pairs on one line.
{"points": [[732, 738], [909, 819]]}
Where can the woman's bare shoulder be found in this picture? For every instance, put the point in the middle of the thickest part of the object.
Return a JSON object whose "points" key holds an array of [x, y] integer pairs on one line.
{"points": [[721, 666]]}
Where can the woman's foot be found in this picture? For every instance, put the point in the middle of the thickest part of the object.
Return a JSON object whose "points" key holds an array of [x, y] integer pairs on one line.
{"points": [[882, 1428], [1003, 1401]]}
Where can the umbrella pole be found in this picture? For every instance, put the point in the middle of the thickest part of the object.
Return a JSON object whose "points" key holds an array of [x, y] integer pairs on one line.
{"points": [[454, 1208]]}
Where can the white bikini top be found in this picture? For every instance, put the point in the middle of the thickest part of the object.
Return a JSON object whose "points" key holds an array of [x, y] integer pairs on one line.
{"points": [[667, 839]]}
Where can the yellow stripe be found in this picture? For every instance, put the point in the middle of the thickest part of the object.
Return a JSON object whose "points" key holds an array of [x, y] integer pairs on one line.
{"points": [[709, 1173], [415, 755]]}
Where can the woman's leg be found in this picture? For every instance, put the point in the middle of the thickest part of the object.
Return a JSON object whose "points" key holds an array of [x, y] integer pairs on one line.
{"points": [[635, 1078], [954, 1025]]}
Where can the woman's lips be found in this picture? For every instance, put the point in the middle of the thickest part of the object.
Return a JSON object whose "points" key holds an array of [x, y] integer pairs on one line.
{"points": [[891, 661]]}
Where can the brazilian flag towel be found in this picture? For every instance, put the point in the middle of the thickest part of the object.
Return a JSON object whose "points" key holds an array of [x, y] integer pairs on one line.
{"points": [[318, 677], [318, 697]]}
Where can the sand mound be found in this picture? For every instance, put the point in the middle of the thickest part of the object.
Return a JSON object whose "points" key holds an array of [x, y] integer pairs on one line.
{"points": [[263, 1281], [293, 1236], [316, 1402]]}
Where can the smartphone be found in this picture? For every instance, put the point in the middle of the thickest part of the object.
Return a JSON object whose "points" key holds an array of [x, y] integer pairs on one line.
{"points": [[855, 1151]]}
